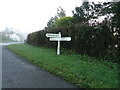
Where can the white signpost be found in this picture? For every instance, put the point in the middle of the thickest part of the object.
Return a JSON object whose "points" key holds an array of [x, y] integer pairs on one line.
{"points": [[57, 37]]}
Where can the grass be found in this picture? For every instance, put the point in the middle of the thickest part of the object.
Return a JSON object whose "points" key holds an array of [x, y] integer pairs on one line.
{"points": [[6, 41], [81, 70]]}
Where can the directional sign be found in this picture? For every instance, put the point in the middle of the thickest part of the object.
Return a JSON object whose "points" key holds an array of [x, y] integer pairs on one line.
{"points": [[61, 39], [52, 35], [58, 38]]}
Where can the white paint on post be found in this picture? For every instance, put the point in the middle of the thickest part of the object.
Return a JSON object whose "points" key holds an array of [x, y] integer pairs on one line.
{"points": [[58, 47], [58, 38]]}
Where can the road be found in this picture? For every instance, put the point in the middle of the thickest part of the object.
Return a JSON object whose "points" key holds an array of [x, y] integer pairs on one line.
{"points": [[19, 73]]}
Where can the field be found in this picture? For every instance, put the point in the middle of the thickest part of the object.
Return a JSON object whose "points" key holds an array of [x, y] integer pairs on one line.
{"points": [[81, 70], [6, 41]]}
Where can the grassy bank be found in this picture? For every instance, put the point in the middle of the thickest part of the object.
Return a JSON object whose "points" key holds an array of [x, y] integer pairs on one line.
{"points": [[80, 70]]}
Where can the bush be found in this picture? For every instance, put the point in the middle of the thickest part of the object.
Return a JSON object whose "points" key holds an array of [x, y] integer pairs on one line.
{"points": [[97, 42], [64, 22]]}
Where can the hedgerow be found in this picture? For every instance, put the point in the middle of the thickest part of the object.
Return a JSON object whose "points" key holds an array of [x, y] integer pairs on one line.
{"points": [[93, 41]]}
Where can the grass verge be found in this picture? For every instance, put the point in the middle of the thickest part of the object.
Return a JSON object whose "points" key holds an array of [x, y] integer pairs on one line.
{"points": [[83, 71]]}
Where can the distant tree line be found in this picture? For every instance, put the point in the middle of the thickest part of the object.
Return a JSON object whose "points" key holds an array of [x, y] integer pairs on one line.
{"points": [[9, 34], [89, 36]]}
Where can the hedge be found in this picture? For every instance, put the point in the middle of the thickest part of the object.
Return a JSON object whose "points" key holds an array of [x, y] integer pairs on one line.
{"points": [[93, 41]]}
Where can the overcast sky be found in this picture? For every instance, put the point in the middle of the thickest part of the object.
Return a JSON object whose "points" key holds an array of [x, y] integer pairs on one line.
{"points": [[33, 15]]}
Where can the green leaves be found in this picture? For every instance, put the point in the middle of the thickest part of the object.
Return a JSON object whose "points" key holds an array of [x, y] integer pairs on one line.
{"points": [[52, 21], [64, 22], [101, 40]]}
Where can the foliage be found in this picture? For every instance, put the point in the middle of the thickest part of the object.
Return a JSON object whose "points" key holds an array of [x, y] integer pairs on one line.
{"points": [[64, 22], [114, 22], [81, 70], [4, 37], [82, 13], [101, 40], [96, 42], [51, 22], [112, 10], [60, 12]]}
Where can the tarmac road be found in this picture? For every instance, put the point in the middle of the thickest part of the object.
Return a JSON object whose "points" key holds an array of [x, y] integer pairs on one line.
{"points": [[19, 73]]}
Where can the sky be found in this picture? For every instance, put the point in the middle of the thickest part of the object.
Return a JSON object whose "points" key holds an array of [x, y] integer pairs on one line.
{"points": [[32, 15]]}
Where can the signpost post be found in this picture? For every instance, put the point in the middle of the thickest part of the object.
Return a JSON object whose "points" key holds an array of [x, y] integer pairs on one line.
{"points": [[58, 38]]}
